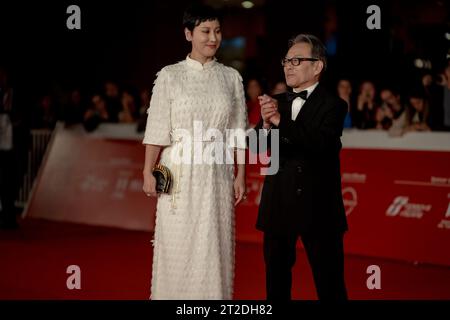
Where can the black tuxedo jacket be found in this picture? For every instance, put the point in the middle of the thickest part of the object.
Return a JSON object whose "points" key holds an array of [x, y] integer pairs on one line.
{"points": [[305, 194]]}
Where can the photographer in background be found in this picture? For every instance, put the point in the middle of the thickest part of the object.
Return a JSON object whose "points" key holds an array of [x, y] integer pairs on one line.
{"points": [[366, 106]]}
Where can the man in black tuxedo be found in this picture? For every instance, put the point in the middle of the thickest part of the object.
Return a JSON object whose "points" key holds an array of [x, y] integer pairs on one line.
{"points": [[304, 199]]}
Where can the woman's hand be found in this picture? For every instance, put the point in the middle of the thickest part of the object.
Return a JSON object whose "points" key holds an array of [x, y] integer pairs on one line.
{"points": [[149, 186], [239, 189], [151, 154]]}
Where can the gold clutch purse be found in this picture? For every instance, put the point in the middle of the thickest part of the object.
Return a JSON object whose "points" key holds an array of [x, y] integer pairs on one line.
{"points": [[163, 178]]}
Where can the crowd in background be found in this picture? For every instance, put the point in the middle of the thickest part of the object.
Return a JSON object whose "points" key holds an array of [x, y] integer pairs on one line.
{"points": [[111, 104], [421, 107]]}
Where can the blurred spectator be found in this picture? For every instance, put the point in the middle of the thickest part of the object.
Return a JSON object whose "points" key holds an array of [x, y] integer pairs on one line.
{"points": [[427, 80], [96, 114], [145, 103], [44, 115], [279, 87], [391, 100], [434, 96], [394, 110], [129, 109], [74, 110], [418, 111], [14, 142], [383, 118], [344, 90], [113, 101], [363, 115], [446, 96], [383, 113], [253, 90]]}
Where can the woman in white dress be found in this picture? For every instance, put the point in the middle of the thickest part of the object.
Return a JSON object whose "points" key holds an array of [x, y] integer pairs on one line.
{"points": [[196, 100]]}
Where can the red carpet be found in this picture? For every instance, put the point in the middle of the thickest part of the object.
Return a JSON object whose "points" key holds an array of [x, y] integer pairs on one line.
{"points": [[116, 264]]}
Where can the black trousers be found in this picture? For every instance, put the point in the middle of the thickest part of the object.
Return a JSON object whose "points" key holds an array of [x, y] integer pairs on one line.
{"points": [[325, 255]]}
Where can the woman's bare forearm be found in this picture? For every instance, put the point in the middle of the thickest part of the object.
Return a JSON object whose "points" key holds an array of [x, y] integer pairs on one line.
{"points": [[240, 160], [151, 155]]}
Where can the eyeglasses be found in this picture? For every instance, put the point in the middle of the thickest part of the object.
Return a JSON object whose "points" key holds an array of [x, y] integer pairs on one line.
{"points": [[296, 61]]}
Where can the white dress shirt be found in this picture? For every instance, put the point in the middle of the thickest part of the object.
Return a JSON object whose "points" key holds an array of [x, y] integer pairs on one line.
{"points": [[298, 103]]}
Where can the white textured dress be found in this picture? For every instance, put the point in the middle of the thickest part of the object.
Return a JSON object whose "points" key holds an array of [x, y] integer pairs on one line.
{"points": [[194, 233]]}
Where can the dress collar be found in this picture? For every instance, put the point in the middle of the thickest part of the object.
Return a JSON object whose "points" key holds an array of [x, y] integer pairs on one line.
{"points": [[198, 66]]}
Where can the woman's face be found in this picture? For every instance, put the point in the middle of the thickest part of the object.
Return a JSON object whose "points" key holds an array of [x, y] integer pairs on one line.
{"points": [[205, 39]]}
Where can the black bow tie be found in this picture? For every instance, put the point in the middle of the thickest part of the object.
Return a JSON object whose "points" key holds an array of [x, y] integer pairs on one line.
{"points": [[293, 95]]}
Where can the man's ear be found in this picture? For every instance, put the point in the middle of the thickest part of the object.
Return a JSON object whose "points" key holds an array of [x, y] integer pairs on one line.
{"points": [[188, 34], [318, 67]]}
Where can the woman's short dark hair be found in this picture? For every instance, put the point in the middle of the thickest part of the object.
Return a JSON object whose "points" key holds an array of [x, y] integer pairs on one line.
{"points": [[318, 49], [198, 13]]}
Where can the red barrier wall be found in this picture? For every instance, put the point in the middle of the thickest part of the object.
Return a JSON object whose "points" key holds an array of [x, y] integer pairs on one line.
{"points": [[397, 201]]}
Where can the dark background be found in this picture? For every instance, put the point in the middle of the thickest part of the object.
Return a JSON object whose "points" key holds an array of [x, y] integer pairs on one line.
{"points": [[129, 41]]}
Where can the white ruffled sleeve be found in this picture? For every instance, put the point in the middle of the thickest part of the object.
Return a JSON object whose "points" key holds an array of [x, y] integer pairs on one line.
{"points": [[158, 128], [238, 121]]}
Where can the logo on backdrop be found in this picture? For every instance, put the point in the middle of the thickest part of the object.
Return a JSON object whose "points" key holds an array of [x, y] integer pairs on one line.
{"points": [[403, 208], [354, 177], [350, 198], [445, 223]]}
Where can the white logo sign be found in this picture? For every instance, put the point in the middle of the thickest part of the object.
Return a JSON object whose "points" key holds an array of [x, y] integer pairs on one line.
{"points": [[401, 207], [445, 223]]}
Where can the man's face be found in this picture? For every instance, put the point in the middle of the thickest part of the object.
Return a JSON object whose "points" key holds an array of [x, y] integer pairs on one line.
{"points": [[305, 74]]}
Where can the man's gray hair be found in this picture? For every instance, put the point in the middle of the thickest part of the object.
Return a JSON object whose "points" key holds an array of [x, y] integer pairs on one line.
{"points": [[318, 49]]}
